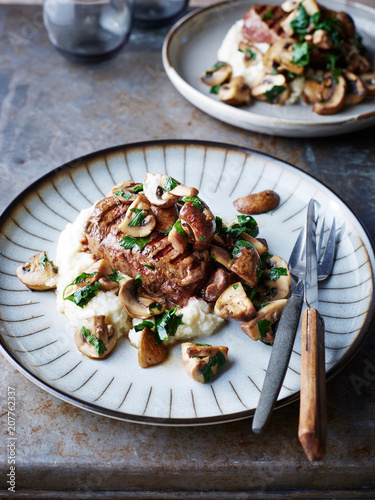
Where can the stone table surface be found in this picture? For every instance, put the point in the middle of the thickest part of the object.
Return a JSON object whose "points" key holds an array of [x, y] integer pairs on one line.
{"points": [[53, 111]]}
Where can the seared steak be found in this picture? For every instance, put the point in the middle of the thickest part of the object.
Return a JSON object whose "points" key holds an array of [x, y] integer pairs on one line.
{"points": [[262, 23], [176, 276]]}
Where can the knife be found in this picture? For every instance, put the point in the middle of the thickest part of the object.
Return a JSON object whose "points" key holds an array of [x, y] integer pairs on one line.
{"points": [[312, 430], [281, 349]]}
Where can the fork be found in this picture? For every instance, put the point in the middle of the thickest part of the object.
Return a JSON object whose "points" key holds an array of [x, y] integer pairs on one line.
{"points": [[289, 321]]}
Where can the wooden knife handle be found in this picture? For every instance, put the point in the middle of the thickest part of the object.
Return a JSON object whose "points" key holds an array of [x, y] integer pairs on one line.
{"points": [[312, 430]]}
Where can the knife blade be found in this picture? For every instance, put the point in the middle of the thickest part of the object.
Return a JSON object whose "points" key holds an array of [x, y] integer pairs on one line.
{"points": [[312, 429]]}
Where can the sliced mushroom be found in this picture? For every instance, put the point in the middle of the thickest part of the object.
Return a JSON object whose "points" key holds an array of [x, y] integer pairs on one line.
{"points": [[149, 351], [234, 303], [218, 282], [138, 302], [202, 362], [331, 95], [311, 7], [246, 264], [359, 64], [280, 56], [177, 240], [259, 244], [273, 89], [221, 256], [322, 39], [236, 92], [281, 286], [165, 217], [251, 55], [38, 274], [124, 192], [368, 81], [154, 190], [107, 334], [218, 74], [146, 226], [200, 222], [310, 91], [355, 89], [270, 312], [290, 5]]}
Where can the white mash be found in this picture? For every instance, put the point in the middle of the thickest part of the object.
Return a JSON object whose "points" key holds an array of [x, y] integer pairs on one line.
{"points": [[253, 75], [198, 316]]}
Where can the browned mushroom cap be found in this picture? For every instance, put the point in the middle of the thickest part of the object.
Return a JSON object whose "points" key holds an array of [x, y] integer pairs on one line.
{"points": [[130, 226], [246, 264], [273, 89], [165, 217], [322, 40], [124, 192], [200, 222], [310, 91], [138, 302], [355, 89], [359, 64], [218, 282], [280, 56], [368, 81], [236, 92], [202, 362], [218, 74], [281, 286], [234, 303], [251, 55], [149, 352], [331, 95], [270, 313], [159, 191], [105, 334], [38, 274]]}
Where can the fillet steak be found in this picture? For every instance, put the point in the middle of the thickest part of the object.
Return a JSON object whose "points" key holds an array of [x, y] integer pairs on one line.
{"points": [[175, 276], [262, 23]]}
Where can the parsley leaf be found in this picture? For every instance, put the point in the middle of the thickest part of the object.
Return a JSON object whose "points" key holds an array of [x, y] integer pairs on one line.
{"points": [[155, 305], [121, 194], [301, 22], [301, 54], [240, 244], [219, 224], [197, 202], [149, 266], [259, 305], [268, 14], [144, 324], [202, 238], [114, 276], [235, 286], [128, 242], [138, 281], [140, 214], [82, 296], [79, 279], [203, 345], [244, 224], [215, 89], [170, 184], [44, 259], [273, 93], [166, 325], [217, 360], [178, 227], [137, 189], [263, 327], [276, 272], [94, 341]]}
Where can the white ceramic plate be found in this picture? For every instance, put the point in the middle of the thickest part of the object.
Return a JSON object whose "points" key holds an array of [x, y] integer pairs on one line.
{"points": [[191, 47], [38, 340]]}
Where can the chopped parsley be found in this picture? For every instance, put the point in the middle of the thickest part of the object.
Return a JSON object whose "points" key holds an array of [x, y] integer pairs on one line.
{"points": [[215, 89], [137, 189], [149, 266], [79, 279], [235, 286], [166, 325], [170, 184], [249, 53], [138, 280], [268, 14], [82, 296], [219, 224], [213, 257], [263, 327], [144, 324], [44, 259], [128, 242], [94, 341], [178, 227], [276, 272], [197, 202], [155, 305], [301, 53], [216, 66], [244, 224], [138, 219], [240, 244], [168, 230], [121, 194], [114, 276], [217, 360], [274, 92], [301, 22], [202, 238], [202, 345], [259, 305]]}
